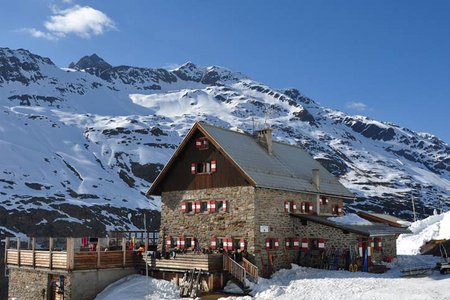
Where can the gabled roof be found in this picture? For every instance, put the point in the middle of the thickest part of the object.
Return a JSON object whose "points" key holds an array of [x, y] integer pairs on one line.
{"points": [[376, 229], [287, 168]]}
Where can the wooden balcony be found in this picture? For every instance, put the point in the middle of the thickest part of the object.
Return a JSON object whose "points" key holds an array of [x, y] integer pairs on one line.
{"points": [[69, 258]]}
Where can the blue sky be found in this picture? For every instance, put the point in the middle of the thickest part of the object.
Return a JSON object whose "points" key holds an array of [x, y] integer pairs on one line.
{"points": [[389, 60]]}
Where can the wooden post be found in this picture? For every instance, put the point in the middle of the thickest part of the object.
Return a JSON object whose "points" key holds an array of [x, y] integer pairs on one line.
{"points": [[98, 253], [18, 251], [6, 250], [124, 251], [50, 250], [70, 253], [33, 249]]}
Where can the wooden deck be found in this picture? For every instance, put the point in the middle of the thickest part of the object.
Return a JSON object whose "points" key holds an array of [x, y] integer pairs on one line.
{"points": [[183, 262], [70, 258]]}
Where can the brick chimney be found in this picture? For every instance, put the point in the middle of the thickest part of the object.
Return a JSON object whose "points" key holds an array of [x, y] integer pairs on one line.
{"points": [[264, 137]]}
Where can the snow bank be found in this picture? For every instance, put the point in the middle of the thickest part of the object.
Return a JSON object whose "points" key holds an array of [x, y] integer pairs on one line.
{"points": [[434, 227], [139, 287], [350, 219], [306, 283]]}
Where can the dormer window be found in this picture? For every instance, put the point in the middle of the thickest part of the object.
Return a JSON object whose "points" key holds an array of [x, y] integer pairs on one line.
{"points": [[201, 143]]}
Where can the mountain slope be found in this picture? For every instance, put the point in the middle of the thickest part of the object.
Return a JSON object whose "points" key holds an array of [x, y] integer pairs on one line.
{"points": [[81, 145]]}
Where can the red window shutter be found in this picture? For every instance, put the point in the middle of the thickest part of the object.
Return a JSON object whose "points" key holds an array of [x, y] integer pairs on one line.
{"points": [[267, 244], [213, 166], [305, 245], [193, 168], [229, 244], [360, 249], [242, 244], [310, 208], [193, 243], [294, 207], [286, 206], [183, 207], [178, 242], [225, 205], [212, 206], [169, 241], [198, 205], [213, 243], [379, 244], [296, 243], [198, 143], [339, 209], [287, 243], [182, 242], [321, 244], [276, 244]]}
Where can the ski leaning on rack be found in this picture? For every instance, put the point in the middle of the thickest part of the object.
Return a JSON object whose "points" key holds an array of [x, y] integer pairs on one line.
{"points": [[190, 285]]}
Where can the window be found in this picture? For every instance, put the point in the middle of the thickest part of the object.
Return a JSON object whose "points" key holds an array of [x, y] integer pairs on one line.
{"points": [[323, 200], [204, 167], [307, 207], [201, 143], [272, 244], [290, 206], [292, 243], [204, 206]]}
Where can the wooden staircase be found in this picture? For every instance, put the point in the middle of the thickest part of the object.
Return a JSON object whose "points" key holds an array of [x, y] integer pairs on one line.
{"points": [[241, 272]]}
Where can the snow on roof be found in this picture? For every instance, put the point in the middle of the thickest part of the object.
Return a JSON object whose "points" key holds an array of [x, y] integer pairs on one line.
{"points": [[350, 219], [435, 227]]}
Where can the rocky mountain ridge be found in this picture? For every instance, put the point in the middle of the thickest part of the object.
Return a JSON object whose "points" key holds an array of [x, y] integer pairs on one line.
{"points": [[81, 145]]}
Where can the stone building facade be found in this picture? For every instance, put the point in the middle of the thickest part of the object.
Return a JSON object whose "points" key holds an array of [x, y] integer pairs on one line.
{"points": [[237, 192]]}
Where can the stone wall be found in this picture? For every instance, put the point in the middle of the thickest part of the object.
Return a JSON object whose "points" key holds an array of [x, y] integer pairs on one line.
{"points": [[27, 284], [269, 205], [337, 238], [237, 222]]}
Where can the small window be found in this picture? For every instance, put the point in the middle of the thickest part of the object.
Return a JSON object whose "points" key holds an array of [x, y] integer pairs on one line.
{"points": [[204, 167], [323, 200], [189, 207], [201, 143]]}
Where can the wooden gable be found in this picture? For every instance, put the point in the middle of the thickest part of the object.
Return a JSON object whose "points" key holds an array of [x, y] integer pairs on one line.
{"points": [[177, 175]]}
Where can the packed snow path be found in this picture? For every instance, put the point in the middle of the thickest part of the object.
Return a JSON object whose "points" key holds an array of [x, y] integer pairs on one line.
{"points": [[307, 283]]}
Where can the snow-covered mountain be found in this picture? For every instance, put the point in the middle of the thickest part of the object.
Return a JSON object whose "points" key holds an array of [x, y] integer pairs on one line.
{"points": [[81, 145]]}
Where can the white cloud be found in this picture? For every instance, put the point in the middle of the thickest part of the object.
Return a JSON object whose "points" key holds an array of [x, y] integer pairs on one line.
{"points": [[359, 106], [83, 21]]}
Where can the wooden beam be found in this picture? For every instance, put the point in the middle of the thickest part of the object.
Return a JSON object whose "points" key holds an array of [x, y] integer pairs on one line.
{"points": [[50, 249], [70, 253], [33, 249], [124, 251], [18, 251], [98, 253]]}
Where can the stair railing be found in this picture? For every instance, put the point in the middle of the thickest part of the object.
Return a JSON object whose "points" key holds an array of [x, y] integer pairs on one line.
{"points": [[251, 269], [235, 269]]}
